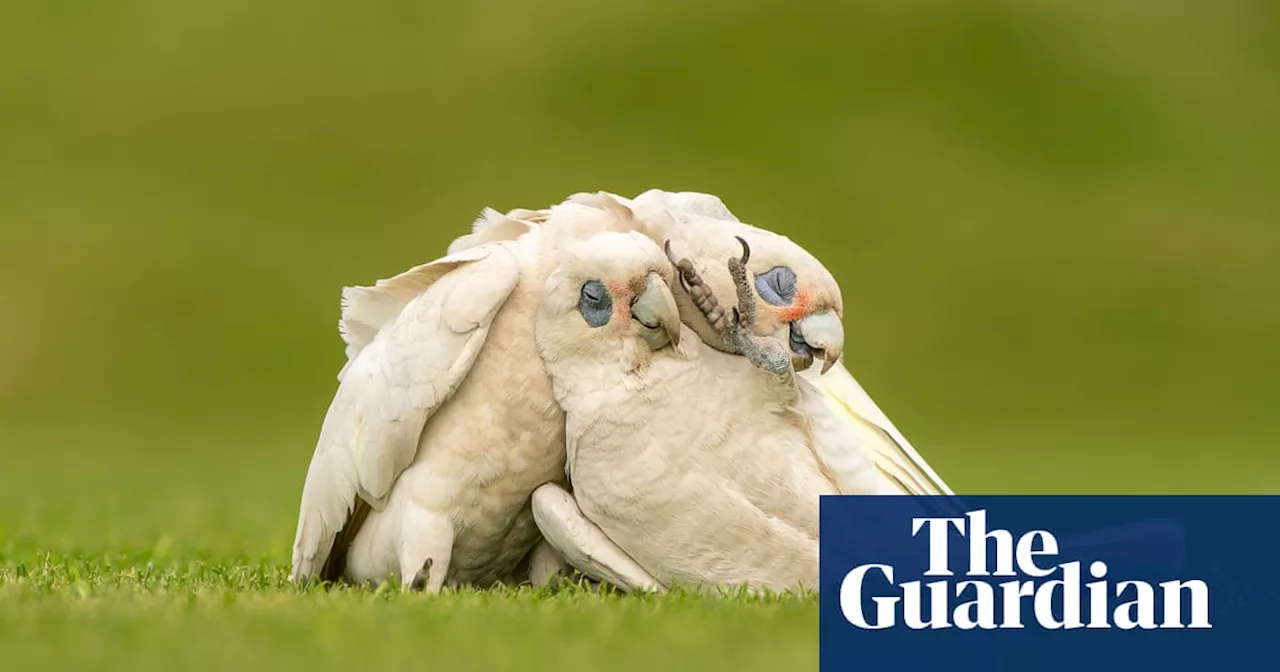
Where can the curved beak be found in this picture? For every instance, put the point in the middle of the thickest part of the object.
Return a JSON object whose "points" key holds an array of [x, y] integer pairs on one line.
{"points": [[656, 312], [820, 335]]}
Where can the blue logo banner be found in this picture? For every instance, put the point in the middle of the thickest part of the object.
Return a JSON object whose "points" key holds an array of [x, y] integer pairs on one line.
{"points": [[1044, 583]]}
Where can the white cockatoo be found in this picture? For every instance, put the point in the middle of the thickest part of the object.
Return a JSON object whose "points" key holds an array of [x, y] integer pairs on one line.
{"points": [[794, 297], [689, 465], [443, 423], [797, 301]]}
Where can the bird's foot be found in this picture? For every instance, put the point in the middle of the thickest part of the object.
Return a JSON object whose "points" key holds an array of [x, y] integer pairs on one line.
{"points": [[698, 290], [736, 327]]}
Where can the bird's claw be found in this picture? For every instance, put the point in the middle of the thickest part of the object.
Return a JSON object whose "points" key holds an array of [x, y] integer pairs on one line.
{"points": [[697, 288], [744, 316], [735, 329]]}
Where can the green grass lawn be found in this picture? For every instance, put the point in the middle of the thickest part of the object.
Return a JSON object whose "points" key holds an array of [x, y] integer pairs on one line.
{"points": [[138, 555], [127, 551], [185, 611]]}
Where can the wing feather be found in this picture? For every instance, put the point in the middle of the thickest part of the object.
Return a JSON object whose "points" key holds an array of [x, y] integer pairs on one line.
{"points": [[411, 341], [889, 449], [493, 226], [367, 310]]}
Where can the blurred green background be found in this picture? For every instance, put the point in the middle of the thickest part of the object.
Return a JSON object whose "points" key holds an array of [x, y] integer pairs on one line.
{"points": [[1056, 223]]}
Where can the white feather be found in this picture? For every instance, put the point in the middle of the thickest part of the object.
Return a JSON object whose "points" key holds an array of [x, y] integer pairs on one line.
{"points": [[411, 340]]}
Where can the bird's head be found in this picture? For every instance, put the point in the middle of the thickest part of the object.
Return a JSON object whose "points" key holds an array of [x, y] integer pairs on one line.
{"points": [[797, 299], [608, 298]]}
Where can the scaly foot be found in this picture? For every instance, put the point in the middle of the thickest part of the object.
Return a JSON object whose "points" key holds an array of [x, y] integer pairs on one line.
{"points": [[735, 329]]}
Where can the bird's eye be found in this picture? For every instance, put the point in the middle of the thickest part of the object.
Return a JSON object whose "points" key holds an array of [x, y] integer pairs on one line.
{"points": [[595, 303], [777, 286]]}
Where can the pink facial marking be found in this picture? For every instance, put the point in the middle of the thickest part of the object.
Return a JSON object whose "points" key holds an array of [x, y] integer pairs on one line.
{"points": [[800, 308], [622, 295]]}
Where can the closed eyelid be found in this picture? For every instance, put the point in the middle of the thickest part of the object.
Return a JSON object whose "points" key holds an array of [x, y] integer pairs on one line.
{"points": [[595, 303], [777, 286]]}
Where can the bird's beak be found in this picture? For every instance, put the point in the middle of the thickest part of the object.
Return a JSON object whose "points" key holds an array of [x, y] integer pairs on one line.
{"points": [[822, 334], [656, 312]]}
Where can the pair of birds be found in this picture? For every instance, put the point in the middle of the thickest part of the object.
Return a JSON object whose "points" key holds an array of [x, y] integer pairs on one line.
{"points": [[623, 386]]}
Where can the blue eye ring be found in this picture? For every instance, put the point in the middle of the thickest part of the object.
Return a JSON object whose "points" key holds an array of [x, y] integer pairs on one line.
{"points": [[595, 303], [777, 286]]}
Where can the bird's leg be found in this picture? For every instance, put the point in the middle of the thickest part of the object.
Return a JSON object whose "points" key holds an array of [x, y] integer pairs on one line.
{"points": [[426, 546], [736, 328], [766, 352]]}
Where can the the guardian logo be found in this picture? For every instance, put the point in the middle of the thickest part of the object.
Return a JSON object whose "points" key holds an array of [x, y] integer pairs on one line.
{"points": [[1036, 590]]}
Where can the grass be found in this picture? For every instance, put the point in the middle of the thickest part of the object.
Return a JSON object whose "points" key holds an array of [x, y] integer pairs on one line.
{"points": [[134, 551], [140, 611], [140, 556]]}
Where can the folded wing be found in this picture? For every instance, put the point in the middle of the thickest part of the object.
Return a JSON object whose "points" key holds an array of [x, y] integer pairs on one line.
{"points": [[410, 341], [887, 448]]}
